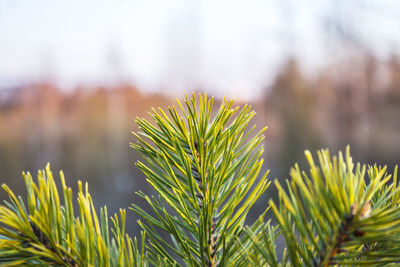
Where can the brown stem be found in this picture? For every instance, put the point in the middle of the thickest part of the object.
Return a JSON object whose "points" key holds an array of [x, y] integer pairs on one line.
{"points": [[46, 242], [345, 234], [211, 260]]}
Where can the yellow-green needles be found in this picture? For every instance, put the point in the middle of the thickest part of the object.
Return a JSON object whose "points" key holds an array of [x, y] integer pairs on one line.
{"points": [[46, 232]]}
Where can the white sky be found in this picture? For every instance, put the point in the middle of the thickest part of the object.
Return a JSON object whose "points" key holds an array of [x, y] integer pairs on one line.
{"points": [[229, 47]]}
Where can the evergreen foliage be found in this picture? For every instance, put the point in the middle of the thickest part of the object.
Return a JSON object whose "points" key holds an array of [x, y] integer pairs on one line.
{"points": [[337, 214], [205, 171], [46, 233]]}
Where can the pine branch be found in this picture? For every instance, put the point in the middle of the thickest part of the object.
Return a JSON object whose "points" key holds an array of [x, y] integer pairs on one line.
{"points": [[206, 171], [337, 216], [47, 233]]}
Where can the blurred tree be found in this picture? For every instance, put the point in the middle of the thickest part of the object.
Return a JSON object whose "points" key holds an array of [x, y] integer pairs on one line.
{"points": [[292, 101]]}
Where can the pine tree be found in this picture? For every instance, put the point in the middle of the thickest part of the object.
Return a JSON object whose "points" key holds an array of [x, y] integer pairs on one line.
{"points": [[205, 170]]}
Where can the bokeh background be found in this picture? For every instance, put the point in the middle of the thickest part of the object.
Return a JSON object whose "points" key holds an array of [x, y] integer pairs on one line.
{"points": [[75, 74]]}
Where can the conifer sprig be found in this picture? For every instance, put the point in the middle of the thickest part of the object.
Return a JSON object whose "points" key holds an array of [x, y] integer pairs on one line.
{"points": [[337, 214], [45, 232], [205, 171]]}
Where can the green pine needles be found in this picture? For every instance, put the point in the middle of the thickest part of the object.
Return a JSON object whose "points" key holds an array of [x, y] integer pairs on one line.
{"points": [[338, 214], [206, 171], [45, 233]]}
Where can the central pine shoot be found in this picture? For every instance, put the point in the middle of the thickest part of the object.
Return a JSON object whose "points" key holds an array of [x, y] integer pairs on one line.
{"points": [[205, 170]]}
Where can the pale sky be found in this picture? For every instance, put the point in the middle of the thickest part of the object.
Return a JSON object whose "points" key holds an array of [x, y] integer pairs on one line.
{"points": [[229, 47]]}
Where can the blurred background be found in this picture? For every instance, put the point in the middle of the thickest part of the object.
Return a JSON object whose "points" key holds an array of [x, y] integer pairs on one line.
{"points": [[75, 74]]}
